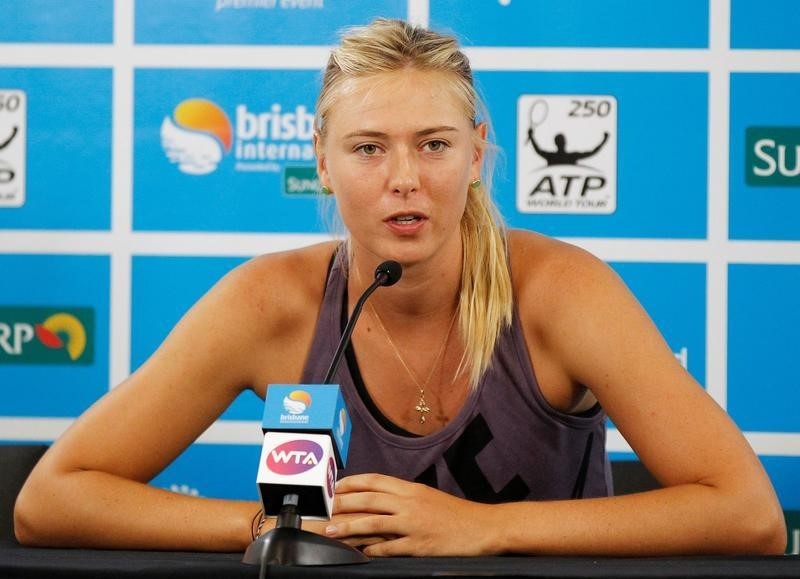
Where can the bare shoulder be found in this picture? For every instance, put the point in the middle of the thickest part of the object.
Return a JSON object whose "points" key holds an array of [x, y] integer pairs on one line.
{"points": [[547, 271], [283, 285]]}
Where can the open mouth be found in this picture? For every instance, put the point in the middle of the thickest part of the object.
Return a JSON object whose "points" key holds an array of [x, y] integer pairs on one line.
{"points": [[405, 219]]}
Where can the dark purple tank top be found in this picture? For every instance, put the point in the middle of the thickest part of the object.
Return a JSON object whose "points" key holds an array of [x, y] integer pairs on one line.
{"points": [[506, 444]]}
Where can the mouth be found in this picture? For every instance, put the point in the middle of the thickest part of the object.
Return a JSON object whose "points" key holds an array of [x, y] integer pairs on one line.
{"points": [[405, 218]]}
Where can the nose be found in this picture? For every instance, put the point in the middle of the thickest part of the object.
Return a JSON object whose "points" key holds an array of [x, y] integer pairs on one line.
{"points": [[404, 172]]}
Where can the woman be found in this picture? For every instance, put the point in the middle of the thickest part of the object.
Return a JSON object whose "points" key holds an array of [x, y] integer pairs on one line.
{"points": [[482, 372]]}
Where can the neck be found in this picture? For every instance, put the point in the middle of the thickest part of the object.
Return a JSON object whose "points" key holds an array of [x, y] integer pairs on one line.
{"points": [[425, 290]]}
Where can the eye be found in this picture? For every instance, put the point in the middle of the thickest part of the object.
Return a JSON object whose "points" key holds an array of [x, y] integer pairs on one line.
{"points": [[436, 146], [367, 149]]}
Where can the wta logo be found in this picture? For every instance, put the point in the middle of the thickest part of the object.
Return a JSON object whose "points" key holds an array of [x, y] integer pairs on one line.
{"points": [[297, 402], [196, 136], [46, 335], [294, 457]]}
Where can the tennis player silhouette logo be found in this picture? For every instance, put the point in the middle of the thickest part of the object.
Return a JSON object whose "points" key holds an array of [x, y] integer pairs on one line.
{"points": [[560, 155], [567, 157]]}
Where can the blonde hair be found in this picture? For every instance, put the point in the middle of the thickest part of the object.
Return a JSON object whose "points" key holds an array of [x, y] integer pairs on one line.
{"points": [[485, 298]]}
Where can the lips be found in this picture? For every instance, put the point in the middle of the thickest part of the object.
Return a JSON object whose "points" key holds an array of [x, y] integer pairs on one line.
{"points": [[406, 218]]}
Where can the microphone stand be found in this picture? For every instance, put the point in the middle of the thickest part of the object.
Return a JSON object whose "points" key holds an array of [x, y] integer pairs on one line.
{"points": [[287, 543]]}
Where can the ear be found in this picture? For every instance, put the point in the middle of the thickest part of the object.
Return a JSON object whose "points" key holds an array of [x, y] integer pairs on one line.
{"points": [[322, 166], [479, 147]]}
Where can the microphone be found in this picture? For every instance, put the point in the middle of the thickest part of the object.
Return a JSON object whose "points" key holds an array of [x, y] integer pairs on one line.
{"points": [[386, 274], [300, 455]]}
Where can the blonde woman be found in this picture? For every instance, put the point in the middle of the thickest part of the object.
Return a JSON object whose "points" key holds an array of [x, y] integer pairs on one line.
{"points": [[478, 385]]}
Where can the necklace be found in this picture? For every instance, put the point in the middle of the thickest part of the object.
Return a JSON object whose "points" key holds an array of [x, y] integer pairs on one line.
{"points": [[422, 405]]}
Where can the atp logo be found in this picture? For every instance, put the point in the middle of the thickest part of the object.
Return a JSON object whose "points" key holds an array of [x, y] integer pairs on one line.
{"points": [[197, 136], [46, 335], [294, 457], [297, 402]]}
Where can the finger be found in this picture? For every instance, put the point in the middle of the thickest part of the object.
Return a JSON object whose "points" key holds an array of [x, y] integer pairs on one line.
{"points": [[361, 542], [374, 525], [365, 502], [370, 482], [396, 548]]}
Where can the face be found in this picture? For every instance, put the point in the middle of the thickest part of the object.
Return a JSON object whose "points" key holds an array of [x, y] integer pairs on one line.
{"points": [[399, 153]]}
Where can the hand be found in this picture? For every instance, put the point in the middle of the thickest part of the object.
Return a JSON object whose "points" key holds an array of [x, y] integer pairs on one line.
{"points": [[404, 518]]}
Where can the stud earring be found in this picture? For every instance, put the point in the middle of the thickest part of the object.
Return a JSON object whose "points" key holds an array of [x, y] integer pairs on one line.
{"points": [[326, 191], [475, 184]]}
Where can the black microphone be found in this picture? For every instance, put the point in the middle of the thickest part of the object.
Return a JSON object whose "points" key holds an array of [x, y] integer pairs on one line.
{"points": [[386, 274]]}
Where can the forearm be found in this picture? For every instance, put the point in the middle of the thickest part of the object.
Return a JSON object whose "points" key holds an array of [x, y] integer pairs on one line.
{"points": [[684, 519], [100, 510]]}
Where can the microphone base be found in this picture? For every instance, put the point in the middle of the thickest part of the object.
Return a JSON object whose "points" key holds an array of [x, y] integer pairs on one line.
{"points": [[295, 547]]}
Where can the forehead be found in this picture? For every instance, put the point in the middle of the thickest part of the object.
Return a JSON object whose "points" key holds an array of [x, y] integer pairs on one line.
{"points": [[405, 96]]}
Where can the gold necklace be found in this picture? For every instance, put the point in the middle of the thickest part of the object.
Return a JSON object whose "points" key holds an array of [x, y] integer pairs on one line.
{"points": [[422, 405]]}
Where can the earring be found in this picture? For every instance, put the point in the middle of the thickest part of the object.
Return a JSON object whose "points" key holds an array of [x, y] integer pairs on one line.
{"points": [[475, 184], [326, 191]]}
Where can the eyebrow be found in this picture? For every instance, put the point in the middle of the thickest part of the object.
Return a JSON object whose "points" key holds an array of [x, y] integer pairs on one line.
{"points": [[422, 133]]}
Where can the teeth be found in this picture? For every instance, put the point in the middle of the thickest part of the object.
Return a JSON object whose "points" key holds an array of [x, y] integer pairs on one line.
{"points": [[406, 218]]}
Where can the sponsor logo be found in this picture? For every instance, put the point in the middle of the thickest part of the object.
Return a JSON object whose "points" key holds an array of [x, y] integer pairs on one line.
{"points": [[567, 155], [35, 335], [13, 122], [342, 422], [199, 135], [296, 403], [331, 477], [196, 136], [294, 457], [221, 5], [772, 156]]}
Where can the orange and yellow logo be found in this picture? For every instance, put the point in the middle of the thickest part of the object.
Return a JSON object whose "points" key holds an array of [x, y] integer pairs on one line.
{"points": [[41, 335], [196, 136]]}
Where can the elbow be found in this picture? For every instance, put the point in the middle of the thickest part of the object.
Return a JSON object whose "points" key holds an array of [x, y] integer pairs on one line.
{"points": [[762, 528], [27, 528], [31, 516], [768, 536]]}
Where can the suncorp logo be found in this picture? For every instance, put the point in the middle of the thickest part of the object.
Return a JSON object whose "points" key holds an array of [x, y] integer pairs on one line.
{"points": [[772, 156], [294, 457], [199, 134], [31, 335]]}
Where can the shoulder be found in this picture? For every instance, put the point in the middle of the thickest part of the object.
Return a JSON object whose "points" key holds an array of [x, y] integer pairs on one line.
{"points": [[557, 284], [541, 265], [280, 286]]}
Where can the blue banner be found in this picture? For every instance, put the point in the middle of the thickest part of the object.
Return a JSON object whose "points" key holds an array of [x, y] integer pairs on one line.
{"points": [[85, 21], [309, 22], [763, 347], [656, 147], [225, 151], [57, 303], [67, 157], [577, 23], [765, 24], [764, 156]]}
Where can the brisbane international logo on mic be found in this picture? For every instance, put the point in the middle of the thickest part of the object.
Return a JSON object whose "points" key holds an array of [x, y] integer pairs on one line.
{"points": [[296, 405]]}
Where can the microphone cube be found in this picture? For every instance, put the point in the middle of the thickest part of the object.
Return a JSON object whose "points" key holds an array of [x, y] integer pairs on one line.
{"points": [[311, 408], [301, 464]]}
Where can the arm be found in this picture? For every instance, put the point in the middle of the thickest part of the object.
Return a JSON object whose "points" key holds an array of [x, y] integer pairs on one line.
{"points": [[90, 489], [592, 332]]}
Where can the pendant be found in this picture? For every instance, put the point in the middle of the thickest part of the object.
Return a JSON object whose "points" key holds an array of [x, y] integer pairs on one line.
{"points": [[422, 407]]}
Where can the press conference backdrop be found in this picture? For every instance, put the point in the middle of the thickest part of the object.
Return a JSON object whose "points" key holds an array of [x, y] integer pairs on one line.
{"points": [[147, 147]]}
